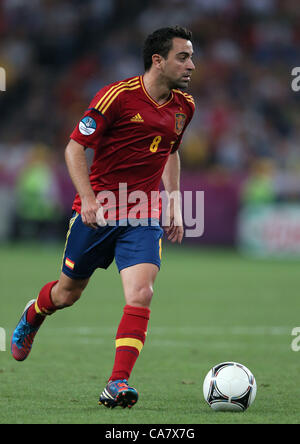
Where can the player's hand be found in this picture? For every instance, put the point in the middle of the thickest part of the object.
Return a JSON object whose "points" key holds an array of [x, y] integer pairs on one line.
{"points": [[174, 233], [174, 226], [89, 211]]}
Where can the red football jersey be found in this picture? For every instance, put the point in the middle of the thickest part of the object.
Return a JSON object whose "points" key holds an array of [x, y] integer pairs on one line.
{"points": [[132, 136]]}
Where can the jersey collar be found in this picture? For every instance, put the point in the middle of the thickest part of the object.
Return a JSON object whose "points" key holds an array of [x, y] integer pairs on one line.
{"points": [[152, 100]]}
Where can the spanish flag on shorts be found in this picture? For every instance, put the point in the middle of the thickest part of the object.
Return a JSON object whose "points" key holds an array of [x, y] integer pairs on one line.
{"points": [[70, 264]]}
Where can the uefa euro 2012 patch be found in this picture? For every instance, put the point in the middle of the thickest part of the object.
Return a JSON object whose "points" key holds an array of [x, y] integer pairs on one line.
{"points": [[87, 126]]}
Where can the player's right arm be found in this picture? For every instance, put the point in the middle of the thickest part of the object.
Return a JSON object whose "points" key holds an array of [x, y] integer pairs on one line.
{"points": [[78, 171], [88, 134]]}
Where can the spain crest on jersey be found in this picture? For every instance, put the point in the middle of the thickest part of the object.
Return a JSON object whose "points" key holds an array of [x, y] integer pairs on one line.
{"points": [[180, 119]]}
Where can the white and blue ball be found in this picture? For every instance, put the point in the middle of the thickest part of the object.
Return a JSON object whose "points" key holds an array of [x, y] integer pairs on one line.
{"points": [[229, 386]]}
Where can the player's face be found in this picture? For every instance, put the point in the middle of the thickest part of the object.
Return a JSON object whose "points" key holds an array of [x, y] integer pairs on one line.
{"points": [[177, 68]]}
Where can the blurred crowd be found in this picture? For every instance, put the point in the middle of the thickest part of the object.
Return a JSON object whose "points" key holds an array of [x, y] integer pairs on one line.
{"points": [[59, 53]]}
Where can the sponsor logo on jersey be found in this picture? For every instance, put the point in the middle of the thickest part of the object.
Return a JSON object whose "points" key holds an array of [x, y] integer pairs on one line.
{"points": [[87, 126], [137, 118]]}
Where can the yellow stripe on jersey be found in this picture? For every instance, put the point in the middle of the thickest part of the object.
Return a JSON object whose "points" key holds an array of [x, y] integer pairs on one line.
{"points": [[103, 110], [119, 84], [130, 342], [152, 100], [119, 88], [188, 97]]}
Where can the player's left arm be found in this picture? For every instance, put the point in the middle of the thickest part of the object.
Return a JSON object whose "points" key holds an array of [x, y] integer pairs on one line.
{"points": [[171, 180]]}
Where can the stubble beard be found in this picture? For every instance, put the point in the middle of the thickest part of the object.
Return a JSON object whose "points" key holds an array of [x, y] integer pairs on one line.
{"points": [[178, 84]]}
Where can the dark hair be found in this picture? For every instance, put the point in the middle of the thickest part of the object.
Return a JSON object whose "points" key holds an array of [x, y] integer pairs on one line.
{"points": [[160, 42]]}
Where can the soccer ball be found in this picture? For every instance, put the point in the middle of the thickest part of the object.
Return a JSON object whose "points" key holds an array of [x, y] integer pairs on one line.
{"points": [[229, 386]]}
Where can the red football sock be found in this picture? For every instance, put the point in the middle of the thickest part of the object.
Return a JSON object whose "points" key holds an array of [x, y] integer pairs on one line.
{"points": [[130, 339], [43, 306]]}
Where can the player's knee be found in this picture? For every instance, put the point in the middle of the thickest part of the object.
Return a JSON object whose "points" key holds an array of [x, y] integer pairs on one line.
{"points": [[141, 296]]}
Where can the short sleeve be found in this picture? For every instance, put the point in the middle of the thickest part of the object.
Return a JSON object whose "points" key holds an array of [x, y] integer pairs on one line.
{"points": [[190, 112], [94, 122]]}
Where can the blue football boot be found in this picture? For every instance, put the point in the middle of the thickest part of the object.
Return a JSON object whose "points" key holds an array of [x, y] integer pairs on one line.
{"points": [[118, 393], [23, 336]]}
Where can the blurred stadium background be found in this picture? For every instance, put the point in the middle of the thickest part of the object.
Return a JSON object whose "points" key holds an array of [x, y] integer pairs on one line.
{"points": [[241, 148]]}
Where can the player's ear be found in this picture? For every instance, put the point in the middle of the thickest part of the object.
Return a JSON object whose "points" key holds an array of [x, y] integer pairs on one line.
{"points": [[156, 60]]}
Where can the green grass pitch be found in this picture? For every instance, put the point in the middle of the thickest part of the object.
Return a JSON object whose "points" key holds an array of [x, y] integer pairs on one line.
{"points": [[209, 306]]}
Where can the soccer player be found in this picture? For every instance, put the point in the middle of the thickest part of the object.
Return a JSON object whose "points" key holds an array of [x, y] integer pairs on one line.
{"points": [[135, 127]]}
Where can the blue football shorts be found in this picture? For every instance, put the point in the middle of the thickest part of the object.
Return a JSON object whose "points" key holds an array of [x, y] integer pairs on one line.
{"points": [[87, 249]]}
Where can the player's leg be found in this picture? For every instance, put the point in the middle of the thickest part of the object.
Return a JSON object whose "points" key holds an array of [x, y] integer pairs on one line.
{"points": [[85, 250], [36, 310], [137, 283], [141, 251], [67, 291], [55, 295]]}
